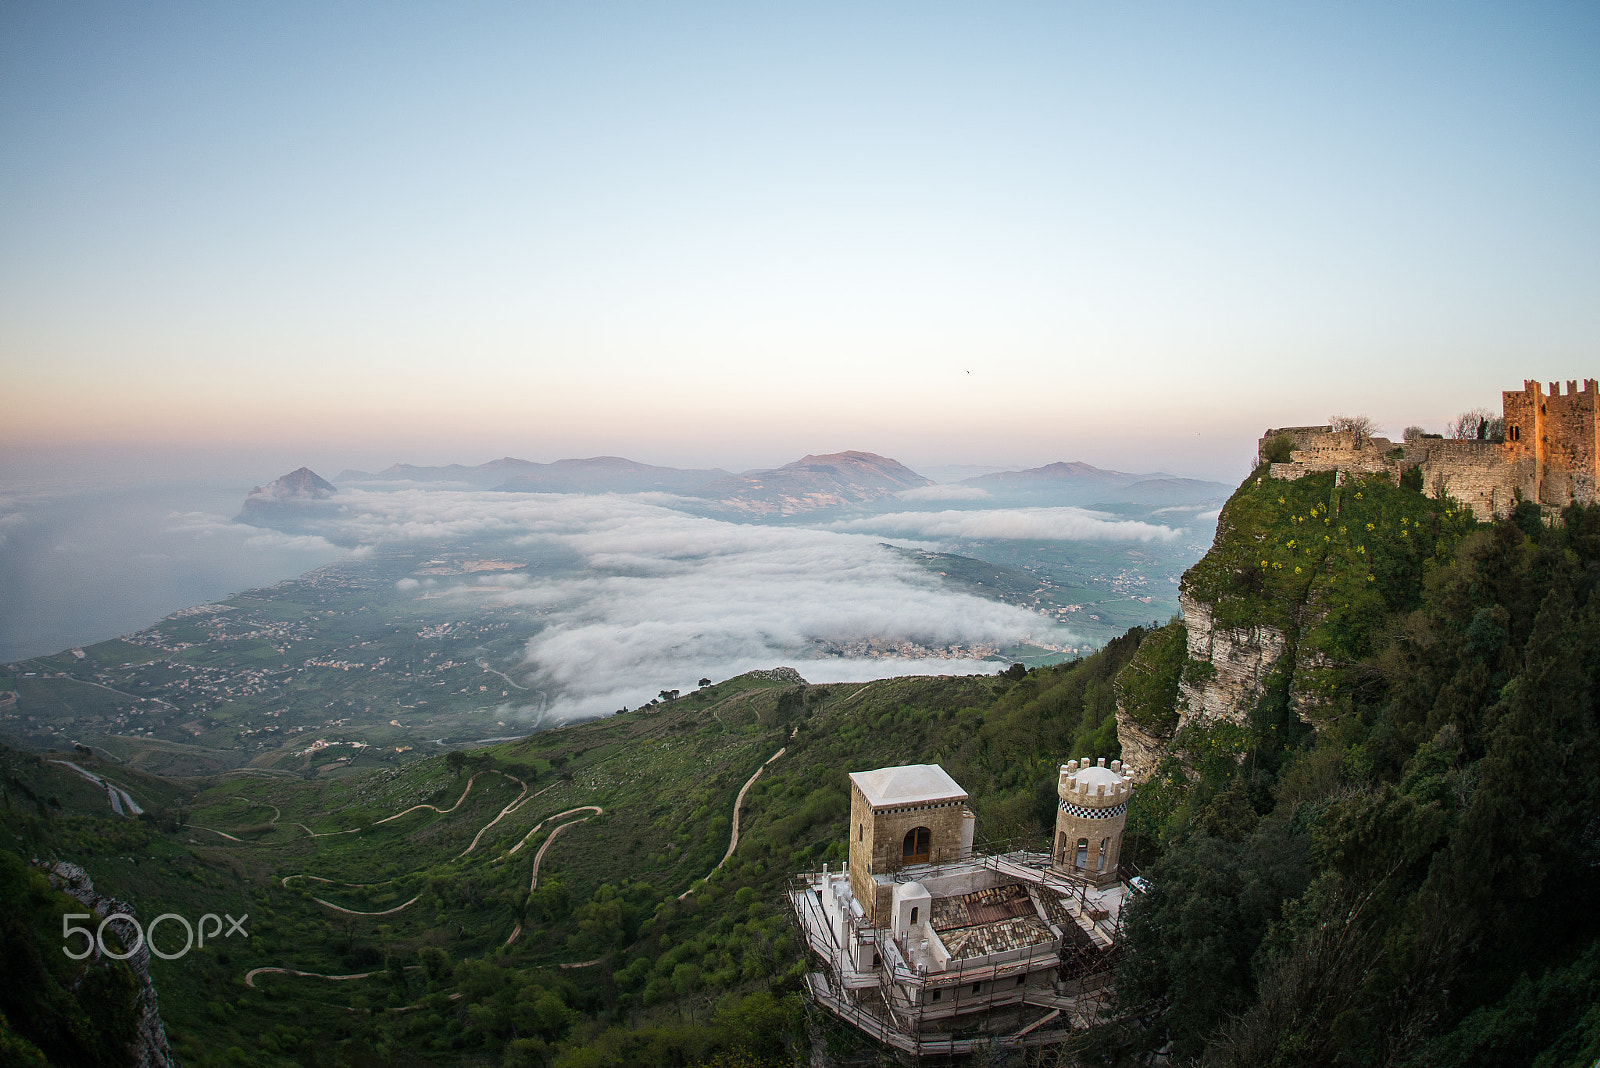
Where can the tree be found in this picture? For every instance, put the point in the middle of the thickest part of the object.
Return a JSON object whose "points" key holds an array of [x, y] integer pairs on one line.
{"points": [[1414, 433], [455, 760], [1361, 425], [705, 682], [1478, 424]]}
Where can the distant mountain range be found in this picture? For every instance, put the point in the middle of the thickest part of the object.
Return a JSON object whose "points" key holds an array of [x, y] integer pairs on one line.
{"points": [[597, 474], [829, 482], [813, 483], [1081, 483]]}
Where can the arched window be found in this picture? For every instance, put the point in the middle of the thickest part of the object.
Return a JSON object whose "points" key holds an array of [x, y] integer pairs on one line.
{"points": [[913, 915], [1061, 847], [917, 847], [1105, 847], [1083, 853]]}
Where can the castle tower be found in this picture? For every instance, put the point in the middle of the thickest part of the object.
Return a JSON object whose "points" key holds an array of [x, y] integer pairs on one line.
{"points": [[1090, 818], [1553, 441], [899, 817]]}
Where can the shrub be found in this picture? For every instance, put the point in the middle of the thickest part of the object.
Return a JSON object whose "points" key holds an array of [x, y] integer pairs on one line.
{"points": [[1279, 449]]}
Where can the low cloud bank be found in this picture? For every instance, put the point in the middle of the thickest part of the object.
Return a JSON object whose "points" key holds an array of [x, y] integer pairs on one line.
{"points": [[1032, 524], [662, 598], [946, 492]]}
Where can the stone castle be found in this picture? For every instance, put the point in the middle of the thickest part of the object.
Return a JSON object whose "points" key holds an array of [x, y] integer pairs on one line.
{"points": [[1548, 455], [935, 948]]}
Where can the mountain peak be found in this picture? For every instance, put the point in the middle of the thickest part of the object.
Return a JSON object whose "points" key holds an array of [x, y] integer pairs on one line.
{"points": [[301, 484], [814, 482]]}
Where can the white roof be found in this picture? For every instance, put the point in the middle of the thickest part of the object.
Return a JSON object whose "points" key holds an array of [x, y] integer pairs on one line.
{"points": [[1098, 776], [911, 784]]}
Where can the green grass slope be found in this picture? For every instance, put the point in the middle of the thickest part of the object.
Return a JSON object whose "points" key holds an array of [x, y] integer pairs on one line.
{"points": [[394, 917]]}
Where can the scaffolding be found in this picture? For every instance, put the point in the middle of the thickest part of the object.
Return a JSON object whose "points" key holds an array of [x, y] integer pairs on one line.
{"points": [[982, 1003]]}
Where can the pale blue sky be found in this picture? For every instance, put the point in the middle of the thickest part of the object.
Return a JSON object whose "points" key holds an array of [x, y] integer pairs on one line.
{"points": [[728, 234]]}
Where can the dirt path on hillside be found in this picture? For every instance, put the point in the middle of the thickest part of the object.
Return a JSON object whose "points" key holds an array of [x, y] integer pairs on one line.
{"points": [[738, 803], [538, 858], [442, 811], [354, 912], [250, 976], [510, 808], [596, 809]]}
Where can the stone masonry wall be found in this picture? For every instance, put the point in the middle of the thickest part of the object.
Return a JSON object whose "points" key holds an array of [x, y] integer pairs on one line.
{"points": [[877, 838], [1480, 474], [1569, 442]]}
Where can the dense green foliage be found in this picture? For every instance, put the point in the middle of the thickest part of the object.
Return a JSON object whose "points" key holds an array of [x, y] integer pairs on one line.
{"points": [[1148, 687], [652, 977], [53, 1009], [1412, 883]]}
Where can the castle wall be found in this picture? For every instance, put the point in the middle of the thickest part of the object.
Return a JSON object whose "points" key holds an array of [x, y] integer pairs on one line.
{"points": [[1300, 435], [1482, 475], [1569, 442]]}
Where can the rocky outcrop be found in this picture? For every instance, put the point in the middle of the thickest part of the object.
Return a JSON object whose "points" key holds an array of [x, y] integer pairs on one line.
{"points": [[1240, 659], [1141, 750], [150, 1048], [778, 674], [288, 503]]}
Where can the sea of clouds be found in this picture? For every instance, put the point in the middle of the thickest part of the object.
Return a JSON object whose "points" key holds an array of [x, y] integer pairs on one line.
{"points": [[663, 598], [647, 596]]}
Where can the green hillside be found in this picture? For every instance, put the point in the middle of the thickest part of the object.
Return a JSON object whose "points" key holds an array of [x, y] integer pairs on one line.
{"points": [[1389, 858], [1392, 857], [348, 877]]}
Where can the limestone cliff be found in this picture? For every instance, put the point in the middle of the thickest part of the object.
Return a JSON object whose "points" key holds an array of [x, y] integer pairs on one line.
{"points": [[150, 1048], [1240, 659], [1304, 572]]}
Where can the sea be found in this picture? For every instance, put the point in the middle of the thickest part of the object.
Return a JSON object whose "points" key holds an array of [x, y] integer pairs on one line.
{"points": [[86, 560]]}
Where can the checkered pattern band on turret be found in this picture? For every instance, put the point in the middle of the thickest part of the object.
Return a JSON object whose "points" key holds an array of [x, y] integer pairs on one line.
{"points": [[1084, 813]]}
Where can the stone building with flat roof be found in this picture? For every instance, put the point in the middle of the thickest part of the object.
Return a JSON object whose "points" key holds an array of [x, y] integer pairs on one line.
{"points": [[935, 948]]}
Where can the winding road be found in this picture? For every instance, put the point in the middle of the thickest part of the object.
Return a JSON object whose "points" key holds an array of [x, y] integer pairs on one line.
{"points": [[738, 803], [538, 858]]}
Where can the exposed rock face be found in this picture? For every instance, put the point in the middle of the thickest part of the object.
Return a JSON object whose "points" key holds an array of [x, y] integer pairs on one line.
{"points": [[150, 1048], [1141, 750], [779, 674], [1241, 659]]}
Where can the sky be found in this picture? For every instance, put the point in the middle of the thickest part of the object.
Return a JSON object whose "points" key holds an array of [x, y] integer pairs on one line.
{"points": [[254, 236]]}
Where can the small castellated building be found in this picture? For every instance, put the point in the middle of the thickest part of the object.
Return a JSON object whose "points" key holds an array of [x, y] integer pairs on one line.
{"points": [[1548, 456], [935, 948], [1089, 819]]}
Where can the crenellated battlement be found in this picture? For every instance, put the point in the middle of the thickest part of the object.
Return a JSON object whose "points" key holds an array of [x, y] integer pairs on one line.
{"points": [[1091, 785], [1550, 453]]}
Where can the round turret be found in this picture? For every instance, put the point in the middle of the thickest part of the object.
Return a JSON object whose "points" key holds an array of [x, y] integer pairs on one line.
{"points": [[1090, 816]]}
